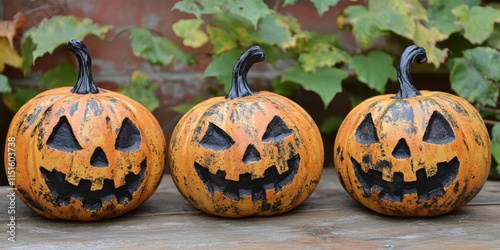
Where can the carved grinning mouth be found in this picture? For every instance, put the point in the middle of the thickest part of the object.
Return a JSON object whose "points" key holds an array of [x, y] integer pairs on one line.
{"points": [[425, 187], [63, 191], [246, 186]]}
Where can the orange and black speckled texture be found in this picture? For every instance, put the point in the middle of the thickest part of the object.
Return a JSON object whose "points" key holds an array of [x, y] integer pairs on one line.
{"points": [[58, 133], [239, 180], [429, 153]]}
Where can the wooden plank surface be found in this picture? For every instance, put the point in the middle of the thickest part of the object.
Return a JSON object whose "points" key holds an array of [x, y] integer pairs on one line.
{"points": [[329, 219]]}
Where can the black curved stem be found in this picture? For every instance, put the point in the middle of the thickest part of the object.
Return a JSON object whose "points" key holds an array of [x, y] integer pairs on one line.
{"points": [[84, 84], [239, 85], [406, 88]]}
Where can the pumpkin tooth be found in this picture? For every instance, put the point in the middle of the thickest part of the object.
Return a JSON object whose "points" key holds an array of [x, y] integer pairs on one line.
{"points": [[246, 186], [426, 187]]}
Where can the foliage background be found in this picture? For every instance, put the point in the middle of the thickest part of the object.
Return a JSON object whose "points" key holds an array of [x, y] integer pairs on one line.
{"points": [[461, 37]]}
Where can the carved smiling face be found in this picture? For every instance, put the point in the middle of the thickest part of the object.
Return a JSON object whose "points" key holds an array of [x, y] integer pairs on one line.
{"points": [[94, 190], [271, 180], [421, 156], [370, 176], [243, 157]]}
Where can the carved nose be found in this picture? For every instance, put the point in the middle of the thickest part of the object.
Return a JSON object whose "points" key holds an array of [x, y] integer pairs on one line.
{"points": [[251, 154], [401, 151], [98, 158]]}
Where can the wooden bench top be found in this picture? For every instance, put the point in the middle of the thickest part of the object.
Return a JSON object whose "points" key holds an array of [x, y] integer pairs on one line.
{"points": [[330, 218]]}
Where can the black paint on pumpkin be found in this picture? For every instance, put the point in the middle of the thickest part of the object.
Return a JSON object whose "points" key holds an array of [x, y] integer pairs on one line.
{"points": [[63, 191], [438, 130], [245, 186], [425, 187], [129, 137], [216, 139], [62, 137], [276, 130], [366, 133]]}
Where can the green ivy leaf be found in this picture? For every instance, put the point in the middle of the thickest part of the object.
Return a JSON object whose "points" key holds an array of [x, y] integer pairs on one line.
{"points": [[330, 124], [374, 69], [473, 77], [494, 40], [237, 27], [143, 90], [252, 10], [156, 50], [363, 27], [495, 142], [4, 84], [477, 21], [271, 31], [320, 51], [392, 15], [63, 74], [441, 16], [289, 2], [189, 30], [284, 88], [311, 61], [221, 39], [16, 99], [221, 67], [183, 108], [326, 82], [428, 38], [58, 30], [383, 16], [27, 49], [322, 6], [198, 7]]}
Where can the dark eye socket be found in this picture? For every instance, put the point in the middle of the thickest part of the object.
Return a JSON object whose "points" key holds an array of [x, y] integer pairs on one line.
{"points": [[438, 130], [276, 130], [366, 133], [62, 137], [129, 137], [215, 138]]}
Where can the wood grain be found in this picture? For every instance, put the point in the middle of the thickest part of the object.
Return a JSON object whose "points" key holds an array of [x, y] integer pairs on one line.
{"points": [[329, 219]]}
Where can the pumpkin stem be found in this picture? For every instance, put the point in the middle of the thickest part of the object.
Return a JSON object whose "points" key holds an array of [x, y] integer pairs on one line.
{"points": [[406, 88], [239, 85], [84, 84]]}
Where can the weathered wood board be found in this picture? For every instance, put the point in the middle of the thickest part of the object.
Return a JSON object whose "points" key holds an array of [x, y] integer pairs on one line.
{"points": [[329, 219]]}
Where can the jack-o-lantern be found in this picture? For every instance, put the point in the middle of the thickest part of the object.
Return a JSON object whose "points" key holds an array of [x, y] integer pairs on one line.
{"points": [[414, 154], [249, 153], [85, 153]]}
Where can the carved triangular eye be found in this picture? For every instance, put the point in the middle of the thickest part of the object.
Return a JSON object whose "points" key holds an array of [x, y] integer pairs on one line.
{"points": [[129, 137], [439, 130], [366, 133], [215, 138], [276, 130], [62, 137]]}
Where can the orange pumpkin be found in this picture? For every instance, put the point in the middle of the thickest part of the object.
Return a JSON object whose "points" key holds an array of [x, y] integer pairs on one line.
{"points": [[413, 154], [85, 153], [249, 153]]}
